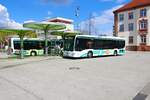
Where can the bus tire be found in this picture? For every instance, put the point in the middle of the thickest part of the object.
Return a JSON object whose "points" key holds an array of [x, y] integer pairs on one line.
{"points": [[33, 53], [115, 53], [90, 54]]}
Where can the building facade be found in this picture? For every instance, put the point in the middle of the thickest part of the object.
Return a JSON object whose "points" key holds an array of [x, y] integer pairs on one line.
{"points": [[67, 22], [132, 22]]}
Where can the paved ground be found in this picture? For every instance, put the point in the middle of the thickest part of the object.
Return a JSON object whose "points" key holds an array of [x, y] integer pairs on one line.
{"points": [[105, 78], [9, 61], [15, 62], [3, 55]]}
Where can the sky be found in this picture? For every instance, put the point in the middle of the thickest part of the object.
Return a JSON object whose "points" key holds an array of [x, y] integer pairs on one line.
{"points": [[13, 13]]}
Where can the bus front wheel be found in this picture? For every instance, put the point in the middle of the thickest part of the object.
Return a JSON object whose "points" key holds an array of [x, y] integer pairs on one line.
{"points": [[33, 53], [90, 54]]}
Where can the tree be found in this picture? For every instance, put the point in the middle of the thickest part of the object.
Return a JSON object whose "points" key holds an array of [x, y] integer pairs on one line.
{"points": [[21, 33], [3, 36]]}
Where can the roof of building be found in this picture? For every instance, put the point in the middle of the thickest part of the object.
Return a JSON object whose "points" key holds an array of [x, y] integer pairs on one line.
{"points": [[133, 4], [60, 18]]}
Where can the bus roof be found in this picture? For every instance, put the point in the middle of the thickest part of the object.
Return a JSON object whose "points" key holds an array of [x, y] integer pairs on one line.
{"points": [[35, 39], [27, 39], [100, 37]]}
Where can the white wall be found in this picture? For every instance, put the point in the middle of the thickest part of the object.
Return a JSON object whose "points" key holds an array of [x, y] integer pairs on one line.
{"points": [[126, 21], [134, 33], [148, 16]]}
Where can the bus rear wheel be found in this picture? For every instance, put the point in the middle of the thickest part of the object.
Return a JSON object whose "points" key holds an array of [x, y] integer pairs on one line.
{"points": [[33, 53], [90, 54], [115, 53]]}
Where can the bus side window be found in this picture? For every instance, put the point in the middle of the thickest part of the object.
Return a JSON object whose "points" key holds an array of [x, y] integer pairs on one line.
{"points": [[89, 44], [40, 45], [16, 44], [111, 43], [78, 45]]}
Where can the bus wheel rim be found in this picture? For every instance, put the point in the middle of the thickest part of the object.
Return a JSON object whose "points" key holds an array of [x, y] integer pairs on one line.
{"points": [[33, 54]]}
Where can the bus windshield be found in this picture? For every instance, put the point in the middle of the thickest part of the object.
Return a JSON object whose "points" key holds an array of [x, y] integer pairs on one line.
{"points": [[69, 44]]}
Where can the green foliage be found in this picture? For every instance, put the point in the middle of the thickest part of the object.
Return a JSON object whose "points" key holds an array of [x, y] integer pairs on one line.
{"points": [[3, 35], [21, 33]]}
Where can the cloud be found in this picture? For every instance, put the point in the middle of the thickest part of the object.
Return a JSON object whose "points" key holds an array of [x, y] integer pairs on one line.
{"points": [[49, 13], [5, 21], [102, 24], [117, 1], [28, 21], [58, 2], [106, 16]]}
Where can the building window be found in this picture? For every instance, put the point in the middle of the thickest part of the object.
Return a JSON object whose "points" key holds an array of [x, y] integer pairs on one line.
{"points": [[131, 26], [143, 12], [143, 24], [143, 39], [130, 15], [130, 39], [121, 28], [121, 17]]}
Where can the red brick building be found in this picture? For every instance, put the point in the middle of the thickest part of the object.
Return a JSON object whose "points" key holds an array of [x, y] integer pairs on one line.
{"points": [[132, 21]]}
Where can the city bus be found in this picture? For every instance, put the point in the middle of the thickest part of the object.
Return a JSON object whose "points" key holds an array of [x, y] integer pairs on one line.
{"points": [[32, 46], [89, 46]]}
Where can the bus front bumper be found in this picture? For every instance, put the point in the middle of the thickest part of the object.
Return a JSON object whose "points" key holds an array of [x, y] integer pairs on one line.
{"points": [[71, 54]]}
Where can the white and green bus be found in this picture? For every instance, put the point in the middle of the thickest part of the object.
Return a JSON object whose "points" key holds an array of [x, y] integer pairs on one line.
{"points": [[89, 46], [32, 46]]}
